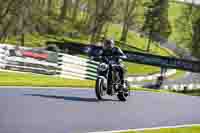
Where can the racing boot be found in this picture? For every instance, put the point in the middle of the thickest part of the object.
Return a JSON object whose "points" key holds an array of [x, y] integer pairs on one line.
{"points": [[110, 91]]}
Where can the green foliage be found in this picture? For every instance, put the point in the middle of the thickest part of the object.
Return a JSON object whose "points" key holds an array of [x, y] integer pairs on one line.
{"points": [[196, 35], [156, 18], [180, 17], [185, 22], [139, 69], [89, 18]]}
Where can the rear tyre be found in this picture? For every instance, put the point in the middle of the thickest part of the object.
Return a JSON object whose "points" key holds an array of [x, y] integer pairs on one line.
{"points": [[128, 91], [99, 88], [121, 96]]}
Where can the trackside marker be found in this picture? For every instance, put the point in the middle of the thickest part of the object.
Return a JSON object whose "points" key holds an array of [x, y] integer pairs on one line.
{"points": [[143, 129]]}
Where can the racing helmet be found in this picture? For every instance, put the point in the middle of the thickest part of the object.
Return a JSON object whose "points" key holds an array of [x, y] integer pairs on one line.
{"points": [[109, 44]]}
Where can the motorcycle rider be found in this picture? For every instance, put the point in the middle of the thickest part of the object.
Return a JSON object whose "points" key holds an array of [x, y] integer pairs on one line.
{"points": [[115, 54]]}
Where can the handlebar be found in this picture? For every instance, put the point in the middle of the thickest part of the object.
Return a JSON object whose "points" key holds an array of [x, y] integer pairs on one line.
{"points": [[108, 57]]}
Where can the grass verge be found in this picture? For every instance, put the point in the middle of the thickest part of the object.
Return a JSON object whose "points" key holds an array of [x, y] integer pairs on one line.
{"points": [[139, 69], [193, 129], [28, 79], [192, 92]]}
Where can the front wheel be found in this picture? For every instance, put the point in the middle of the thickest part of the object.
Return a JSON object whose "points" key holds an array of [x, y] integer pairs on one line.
{"points": [[99, 89]]}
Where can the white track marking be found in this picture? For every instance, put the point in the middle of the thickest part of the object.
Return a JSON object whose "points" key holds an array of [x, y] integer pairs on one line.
{"points": [[143, 129]]}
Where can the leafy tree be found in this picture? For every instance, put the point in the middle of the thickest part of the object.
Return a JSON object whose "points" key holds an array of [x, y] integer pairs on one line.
{"points": [[156, 19], [102, 15], [130, 14], [188, 25], [196, 34]]}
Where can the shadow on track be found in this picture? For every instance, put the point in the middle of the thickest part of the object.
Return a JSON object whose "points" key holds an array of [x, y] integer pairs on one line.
{"points": [[152, 86], [69, 98]]}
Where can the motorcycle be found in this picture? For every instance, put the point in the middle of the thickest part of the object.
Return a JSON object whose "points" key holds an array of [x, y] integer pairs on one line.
{"points": [[108, 81]]}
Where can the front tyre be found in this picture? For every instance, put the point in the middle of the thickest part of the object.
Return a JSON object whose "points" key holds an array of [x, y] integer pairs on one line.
{"points": [[99, 88]]}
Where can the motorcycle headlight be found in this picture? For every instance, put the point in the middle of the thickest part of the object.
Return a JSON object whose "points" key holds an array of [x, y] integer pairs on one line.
{"points": [[103, 67]]}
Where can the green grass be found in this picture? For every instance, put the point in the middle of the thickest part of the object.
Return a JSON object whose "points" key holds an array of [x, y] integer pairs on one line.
{"points": [[139, 69], [194, 129], [33, 40], [28, 79]]}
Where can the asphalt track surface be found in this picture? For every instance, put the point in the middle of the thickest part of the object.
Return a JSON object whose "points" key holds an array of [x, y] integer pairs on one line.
{"points": [[55, 110]]}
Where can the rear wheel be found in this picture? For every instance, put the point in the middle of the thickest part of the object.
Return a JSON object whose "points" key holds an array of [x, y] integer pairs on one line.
{"points": [[121, 96], [128, 89], [99, 89]]}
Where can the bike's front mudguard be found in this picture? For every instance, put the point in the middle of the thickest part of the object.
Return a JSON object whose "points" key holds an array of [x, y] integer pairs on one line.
{"points": [[105, 81]]}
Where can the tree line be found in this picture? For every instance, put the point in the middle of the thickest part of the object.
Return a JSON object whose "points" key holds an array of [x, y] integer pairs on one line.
{"points": [[91, 18]]}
